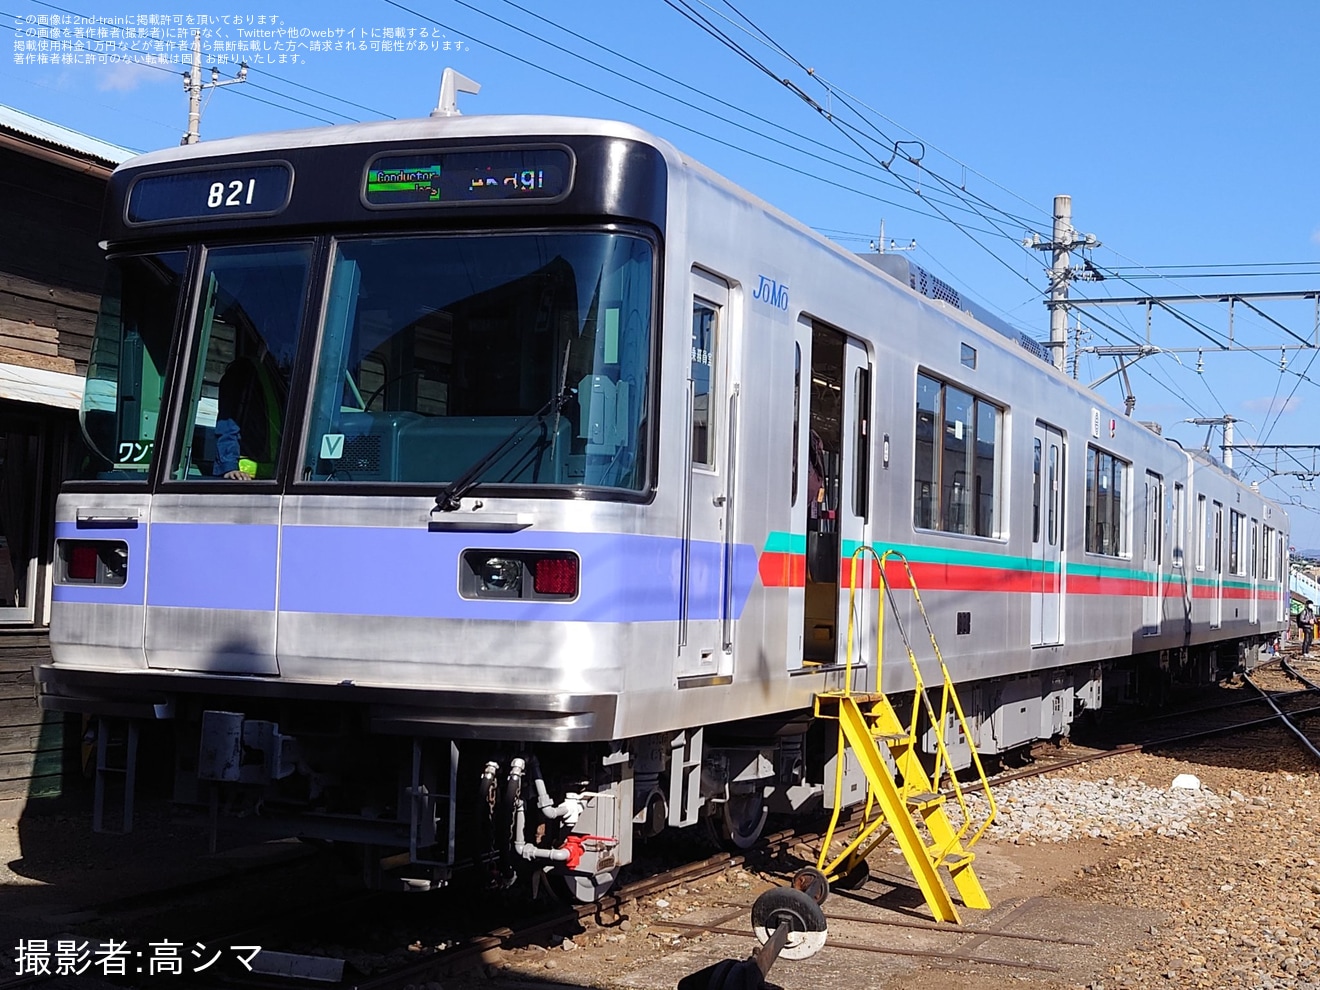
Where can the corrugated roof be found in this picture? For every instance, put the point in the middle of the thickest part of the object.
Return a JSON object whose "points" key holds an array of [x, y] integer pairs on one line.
{"points": [[62, 137]]}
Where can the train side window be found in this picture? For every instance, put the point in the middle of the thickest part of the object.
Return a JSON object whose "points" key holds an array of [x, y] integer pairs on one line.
{"points": [[862, 474], [1106, 511], [126, 370], [956, 486], [797, 410], [1153, 537], [705, 341], [1200, 532], [1052, 494], [1035, 493], [1218, 555], [1177, 525]]}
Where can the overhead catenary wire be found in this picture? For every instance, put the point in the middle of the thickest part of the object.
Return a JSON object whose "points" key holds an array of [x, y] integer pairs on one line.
{"points": [[871, 174], [685, 8], [848, 100], [763, 38], [816, 177]]}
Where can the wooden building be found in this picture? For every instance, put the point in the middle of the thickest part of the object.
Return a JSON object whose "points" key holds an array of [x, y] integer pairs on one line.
{"points": [[52, 184]]}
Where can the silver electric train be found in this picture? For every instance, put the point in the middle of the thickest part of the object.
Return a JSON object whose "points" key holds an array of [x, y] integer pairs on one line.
{"points": [[483, 490]]}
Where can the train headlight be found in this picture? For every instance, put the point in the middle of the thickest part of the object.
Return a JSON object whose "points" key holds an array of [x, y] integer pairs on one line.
{"points": [[501, 574], [519, 575]]}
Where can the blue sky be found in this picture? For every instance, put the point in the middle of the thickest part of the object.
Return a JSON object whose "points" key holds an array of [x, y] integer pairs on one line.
{"points": [[1185, 133]]}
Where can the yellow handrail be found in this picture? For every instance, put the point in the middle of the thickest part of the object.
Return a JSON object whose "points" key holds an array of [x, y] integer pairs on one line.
{"points": [[921, 701]]}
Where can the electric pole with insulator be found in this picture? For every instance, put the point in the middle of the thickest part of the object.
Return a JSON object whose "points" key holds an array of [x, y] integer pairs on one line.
{"points": [[193, 86], [1063, 241]]}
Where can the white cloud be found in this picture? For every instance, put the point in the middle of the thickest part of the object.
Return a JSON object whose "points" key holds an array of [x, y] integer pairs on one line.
{"points": [[124, 77], [1272, 406]]}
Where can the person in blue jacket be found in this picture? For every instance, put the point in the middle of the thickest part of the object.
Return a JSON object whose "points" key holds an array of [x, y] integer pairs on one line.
{"points": [[245, 435]]}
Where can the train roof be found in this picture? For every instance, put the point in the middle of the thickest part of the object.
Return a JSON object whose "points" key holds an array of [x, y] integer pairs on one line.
{"points": [[413, 129]]}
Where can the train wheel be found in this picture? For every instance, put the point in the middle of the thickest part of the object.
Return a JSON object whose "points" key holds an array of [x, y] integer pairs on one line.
{"points": [[806, 921], [744, 819], [813, 883]]}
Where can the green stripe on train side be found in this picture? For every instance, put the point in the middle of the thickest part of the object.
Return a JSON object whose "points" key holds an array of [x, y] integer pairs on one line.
{"points": [[796, 543]]}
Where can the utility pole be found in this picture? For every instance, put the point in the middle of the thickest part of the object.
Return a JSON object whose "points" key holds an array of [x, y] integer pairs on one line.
{"points": [[193, 86], [1064, 240]]}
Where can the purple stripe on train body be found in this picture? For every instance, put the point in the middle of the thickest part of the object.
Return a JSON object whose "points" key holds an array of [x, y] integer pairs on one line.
{"points": [[337, 570], [128, 593], [213, 565]]}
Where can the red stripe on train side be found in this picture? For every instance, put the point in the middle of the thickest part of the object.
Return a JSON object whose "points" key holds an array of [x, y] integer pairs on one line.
{"points": [[782, 570], [1082, 584]]}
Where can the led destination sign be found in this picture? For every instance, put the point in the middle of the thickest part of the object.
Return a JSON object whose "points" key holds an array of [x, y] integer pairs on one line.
{"points": [[207, 194], [468, 177]]}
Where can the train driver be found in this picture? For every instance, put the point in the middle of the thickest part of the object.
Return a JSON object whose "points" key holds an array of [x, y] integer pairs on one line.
{"points": [[247, 429]]}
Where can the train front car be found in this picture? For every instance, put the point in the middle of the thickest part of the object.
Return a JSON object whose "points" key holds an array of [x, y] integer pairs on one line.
{"points": [[486, 491], [373, 518]]}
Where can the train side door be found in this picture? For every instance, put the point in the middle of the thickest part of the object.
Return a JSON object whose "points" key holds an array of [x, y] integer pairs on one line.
{"points": [[1152, 556], [791, 553], [1217, 563], [706, 627], [1047, 536], [837, 399]]}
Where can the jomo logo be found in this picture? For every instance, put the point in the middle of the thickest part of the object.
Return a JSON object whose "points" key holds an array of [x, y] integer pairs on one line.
{"points": [[771, 293]]}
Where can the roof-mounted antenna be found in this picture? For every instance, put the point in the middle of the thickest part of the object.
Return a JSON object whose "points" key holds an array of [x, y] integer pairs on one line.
{"points": [[451, 84]]}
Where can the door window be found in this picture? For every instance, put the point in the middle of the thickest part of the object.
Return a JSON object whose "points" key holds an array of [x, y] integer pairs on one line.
{"points": [[705, 340], [245, 337]]}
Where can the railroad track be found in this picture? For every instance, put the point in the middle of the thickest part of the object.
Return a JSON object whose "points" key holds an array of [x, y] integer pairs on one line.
{"points": [[731, 919], [461, 950], [1291, 717]]}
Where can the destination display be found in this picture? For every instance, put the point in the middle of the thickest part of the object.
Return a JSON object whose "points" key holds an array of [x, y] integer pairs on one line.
{"points": [[206, 194], [440, 179]]}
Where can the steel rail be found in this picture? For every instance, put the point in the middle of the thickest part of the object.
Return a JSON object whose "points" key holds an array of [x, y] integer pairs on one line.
{"points": [[885, 950], [1287, 718]]}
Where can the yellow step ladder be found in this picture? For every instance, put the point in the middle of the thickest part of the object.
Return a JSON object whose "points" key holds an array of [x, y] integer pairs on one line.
{"points": [[903, 799]]}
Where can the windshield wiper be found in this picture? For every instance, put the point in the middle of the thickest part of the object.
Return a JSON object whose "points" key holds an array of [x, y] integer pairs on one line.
{"points": [[449, 499]]}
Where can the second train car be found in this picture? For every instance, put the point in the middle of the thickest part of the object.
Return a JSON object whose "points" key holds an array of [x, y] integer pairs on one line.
{"points": [[482, 490]]}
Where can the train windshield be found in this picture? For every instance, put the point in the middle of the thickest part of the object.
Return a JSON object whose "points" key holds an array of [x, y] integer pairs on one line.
{"points": [[434, 349], [126, 370]]}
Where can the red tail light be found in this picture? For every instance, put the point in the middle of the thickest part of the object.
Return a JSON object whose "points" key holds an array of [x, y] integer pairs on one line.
{"points": [[556, 575], [82, 563]]}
